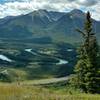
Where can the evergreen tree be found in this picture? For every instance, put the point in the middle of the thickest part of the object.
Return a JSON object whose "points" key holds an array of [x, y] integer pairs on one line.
{"points": [[87, 68]]}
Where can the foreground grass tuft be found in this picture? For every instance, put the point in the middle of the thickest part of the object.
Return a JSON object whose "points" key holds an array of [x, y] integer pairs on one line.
{"points": [[19, 92]]}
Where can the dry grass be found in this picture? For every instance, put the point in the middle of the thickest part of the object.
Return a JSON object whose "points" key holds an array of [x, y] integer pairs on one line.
{"points": [[18, 92]]}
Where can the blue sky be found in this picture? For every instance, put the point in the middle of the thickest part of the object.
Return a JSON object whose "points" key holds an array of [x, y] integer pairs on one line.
{"points": [[17, 7]]}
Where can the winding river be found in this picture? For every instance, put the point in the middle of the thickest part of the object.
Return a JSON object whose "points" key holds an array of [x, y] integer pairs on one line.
{"points": [[61, 61], [2, 57]]}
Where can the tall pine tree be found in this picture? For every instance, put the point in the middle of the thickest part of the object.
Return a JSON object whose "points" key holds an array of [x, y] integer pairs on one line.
{"points": [[88, 67]]}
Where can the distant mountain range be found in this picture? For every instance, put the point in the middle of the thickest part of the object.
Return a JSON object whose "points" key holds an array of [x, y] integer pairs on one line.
{"points": [[48, 25]]}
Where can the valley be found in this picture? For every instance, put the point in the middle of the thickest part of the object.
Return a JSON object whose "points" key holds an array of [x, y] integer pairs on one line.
{"points": [[29, 61]]}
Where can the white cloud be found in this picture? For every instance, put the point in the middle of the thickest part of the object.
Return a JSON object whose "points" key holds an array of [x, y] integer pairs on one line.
{"points": [[17, 7]]}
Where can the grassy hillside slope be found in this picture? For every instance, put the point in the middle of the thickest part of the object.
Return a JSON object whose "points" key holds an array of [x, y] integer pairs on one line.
{"points": [[18, 92]]}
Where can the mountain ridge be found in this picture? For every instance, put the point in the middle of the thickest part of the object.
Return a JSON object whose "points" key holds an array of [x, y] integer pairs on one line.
{"points": [[59, 26]]}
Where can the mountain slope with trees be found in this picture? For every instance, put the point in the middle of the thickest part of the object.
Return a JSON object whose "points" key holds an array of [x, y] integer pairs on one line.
{"points": [[58, 26]]}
